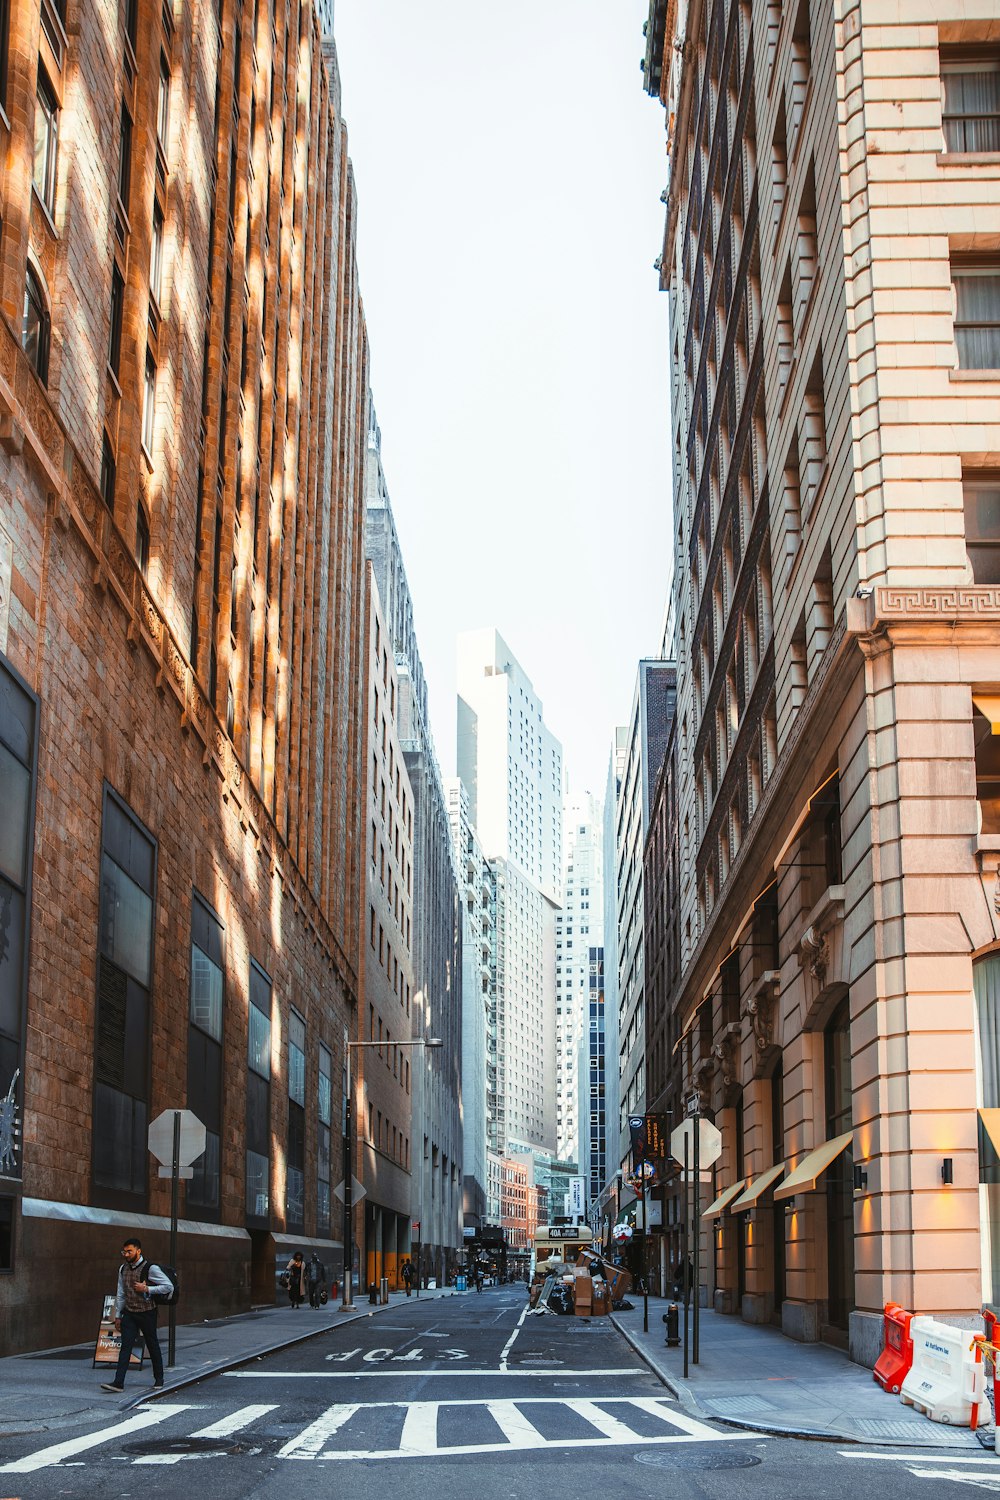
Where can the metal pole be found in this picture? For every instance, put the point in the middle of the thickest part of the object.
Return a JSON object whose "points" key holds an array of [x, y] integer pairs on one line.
{"points": [[347, 1299], [684, 1253], [175, 1168], [418, 1257], [697, 1238], [645, 1257]]}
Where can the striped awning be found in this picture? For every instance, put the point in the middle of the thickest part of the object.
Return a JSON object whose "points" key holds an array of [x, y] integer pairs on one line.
{"points": [[757, 1189], [724, 1199], [809, 1170]]}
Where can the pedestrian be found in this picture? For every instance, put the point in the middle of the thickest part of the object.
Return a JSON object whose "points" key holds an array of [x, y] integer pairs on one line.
{"points": [[406, 1271], [297, 1279], [317, 1280], [139, 1281]]}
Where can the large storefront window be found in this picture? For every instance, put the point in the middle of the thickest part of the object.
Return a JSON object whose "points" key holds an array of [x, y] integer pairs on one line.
{"points": [[205, 1027], [840, 1174]]}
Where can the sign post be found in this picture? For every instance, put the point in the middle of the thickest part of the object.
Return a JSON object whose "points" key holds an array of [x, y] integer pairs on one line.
{"points": [[416, 1231], [704, 1141], [176, 1138], [686, 1253]]}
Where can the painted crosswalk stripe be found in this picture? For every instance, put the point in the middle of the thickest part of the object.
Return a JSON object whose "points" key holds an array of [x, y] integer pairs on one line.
{"points": [[451, 1371], [419, 1433], [675, 1418], [235, 1422], [46, 1457], [311, 1439], [514, 1425], [606, 1424]]}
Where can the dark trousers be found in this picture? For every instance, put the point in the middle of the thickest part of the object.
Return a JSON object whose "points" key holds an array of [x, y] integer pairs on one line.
{"points": [[134, 1326]]}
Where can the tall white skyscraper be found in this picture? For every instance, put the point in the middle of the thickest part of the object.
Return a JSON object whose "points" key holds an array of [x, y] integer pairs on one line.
{"points": [[511, 766], [579, 929]]}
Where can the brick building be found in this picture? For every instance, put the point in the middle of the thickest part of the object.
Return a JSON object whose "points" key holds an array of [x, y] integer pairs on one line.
{"points": [[831, 253], [183, 389]]}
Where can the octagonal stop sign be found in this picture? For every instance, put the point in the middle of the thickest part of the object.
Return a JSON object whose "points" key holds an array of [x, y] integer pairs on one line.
{"points": [[160, 1139]]}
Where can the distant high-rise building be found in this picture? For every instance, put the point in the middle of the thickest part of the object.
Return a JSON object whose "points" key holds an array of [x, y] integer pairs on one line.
{"points": [[579, 930], [511, 765], [436, 1009], [477, 902]]}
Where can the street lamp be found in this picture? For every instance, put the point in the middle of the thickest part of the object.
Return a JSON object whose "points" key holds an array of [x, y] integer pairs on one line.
{"points": [[347, 1297]]}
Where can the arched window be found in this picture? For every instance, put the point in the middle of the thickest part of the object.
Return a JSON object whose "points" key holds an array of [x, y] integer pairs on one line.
{"points": [[35, 328]]}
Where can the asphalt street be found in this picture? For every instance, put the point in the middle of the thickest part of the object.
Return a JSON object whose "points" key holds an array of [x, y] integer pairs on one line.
{"points": [[447, 1398]]}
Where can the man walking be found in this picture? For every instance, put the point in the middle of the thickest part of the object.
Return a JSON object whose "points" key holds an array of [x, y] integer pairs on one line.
{"points": [[135, 1311], [406, 1271]]}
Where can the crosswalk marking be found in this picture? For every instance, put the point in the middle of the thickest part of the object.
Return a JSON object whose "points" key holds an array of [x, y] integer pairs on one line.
{"points": [[514, 1425], [311, 1439], [45, 1457], [511, 1427], [518, 1373], [235, 1422]]}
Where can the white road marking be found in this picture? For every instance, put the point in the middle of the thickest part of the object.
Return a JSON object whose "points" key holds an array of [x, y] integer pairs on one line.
{"points": [[608, 1426], [515, 1426], [224, 1428], [510, 1342], [987, 1460], [518, 1374], [45, 1457], [311, 1439], [672, 1415], [419, 1433], [960, 1476]]}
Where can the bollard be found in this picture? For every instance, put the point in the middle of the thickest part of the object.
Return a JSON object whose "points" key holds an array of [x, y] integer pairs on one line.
{"points": [[373, 1293], [670, 1317]]}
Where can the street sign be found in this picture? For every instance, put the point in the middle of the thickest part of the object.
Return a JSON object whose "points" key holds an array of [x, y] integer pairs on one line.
{"points": [[416, 1226], [160, 1138], [709, 1142], [358, 1190], [692, 1105]]}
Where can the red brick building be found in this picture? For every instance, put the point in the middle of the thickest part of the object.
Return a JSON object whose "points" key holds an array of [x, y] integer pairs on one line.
{"points": [[183, 398]]}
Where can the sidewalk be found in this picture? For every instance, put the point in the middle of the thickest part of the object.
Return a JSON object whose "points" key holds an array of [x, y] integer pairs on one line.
{"points": [[56, 1389], [754, 1377]]}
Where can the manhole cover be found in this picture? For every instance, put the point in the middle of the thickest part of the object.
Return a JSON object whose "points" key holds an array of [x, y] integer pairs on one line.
{"points": [[698, 1458], [184, 1445]]}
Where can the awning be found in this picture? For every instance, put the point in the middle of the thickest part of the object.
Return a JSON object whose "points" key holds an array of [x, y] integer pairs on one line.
{"points": [[991, 1124], [757, 1188], [812, 1167], [725, 1197]]}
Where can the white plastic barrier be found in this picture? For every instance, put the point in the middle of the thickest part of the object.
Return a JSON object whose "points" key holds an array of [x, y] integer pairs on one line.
{"points": [[944, 1381]]}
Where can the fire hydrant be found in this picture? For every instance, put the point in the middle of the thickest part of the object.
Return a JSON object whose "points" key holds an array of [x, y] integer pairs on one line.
{"points": [[670, 1317]]}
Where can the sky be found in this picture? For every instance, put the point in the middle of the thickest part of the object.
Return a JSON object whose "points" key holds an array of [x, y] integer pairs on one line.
{"points": [[509, 167]]}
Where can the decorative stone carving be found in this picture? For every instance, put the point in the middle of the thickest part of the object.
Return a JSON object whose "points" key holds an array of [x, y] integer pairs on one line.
{"points": [[815, 950], [703, 1083], [896, 603], [761, 1009], [814, 946], [726, 1051]]}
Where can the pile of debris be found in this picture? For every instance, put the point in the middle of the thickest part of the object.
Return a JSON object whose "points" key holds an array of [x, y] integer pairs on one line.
{"points": [[588, 1289]]}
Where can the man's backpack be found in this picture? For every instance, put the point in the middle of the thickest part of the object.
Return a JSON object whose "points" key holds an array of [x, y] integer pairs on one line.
{"points": [[165, 1299]]}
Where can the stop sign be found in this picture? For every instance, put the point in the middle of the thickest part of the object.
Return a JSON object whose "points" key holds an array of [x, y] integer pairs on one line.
{"points": [[160, 1139]]}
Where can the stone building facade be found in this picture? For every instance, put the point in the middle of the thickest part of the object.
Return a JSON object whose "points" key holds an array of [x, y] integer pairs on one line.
{"points": [[831, 253], [381, 1068], [183, 385]]}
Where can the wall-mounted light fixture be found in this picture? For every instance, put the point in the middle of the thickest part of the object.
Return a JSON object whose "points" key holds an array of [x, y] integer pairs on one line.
{"points": [[790, 1205], [860, 1178], [947, 1171]]}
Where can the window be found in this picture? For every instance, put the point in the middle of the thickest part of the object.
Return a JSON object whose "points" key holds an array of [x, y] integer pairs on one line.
{"points": [[205, 1017], [163, 107], [35, 326], [117, 307], [982, 526], [124, 980], [297, 1058], [970, 85], [977, 315], [6, 1234], [4, 44], [324, 1108], [156, 256], [258, 1117], [107, 472], [46, 141], [149, 403], [125, 159], [17, 798], [142, 540]]}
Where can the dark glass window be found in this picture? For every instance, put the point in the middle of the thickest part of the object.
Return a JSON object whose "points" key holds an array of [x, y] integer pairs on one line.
{"points": [[163, 107], [6, 1234], [156, 256], [125, 158], [46, 141], [17, 798], [142, 540], [124, 982], [205, 1030], [977, 315], [117, 307], [324, 1108], [982, 526], [35, 326], [149, 403], [107, 473], [4, 47], [258, 1136], [971, 111]]}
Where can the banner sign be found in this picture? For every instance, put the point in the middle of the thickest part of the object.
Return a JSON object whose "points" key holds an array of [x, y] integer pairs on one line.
{"points": [[637, 1131], [109, 1341]]}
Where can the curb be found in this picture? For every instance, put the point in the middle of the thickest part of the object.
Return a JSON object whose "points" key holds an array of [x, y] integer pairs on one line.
{"points": [[221, 1366]]}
